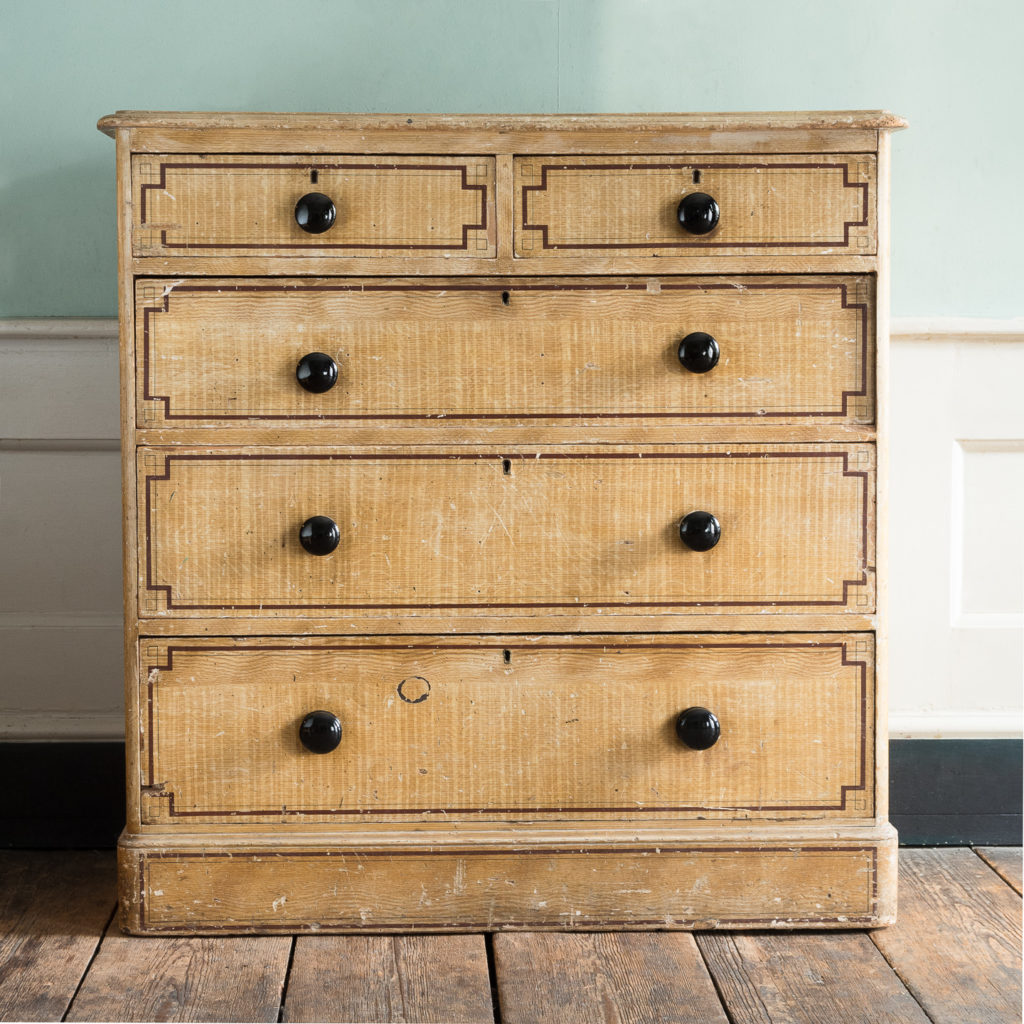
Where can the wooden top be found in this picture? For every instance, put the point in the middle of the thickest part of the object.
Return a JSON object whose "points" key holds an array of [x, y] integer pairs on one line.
{"points": [[755, 121]]}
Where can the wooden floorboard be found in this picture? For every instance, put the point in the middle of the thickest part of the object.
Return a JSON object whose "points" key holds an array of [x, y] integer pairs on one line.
{"points": [[621, 977], [806, 978], [54, 907], [427, 978], [183, 979], [954, 956], [1005, 861], [957, 943]]}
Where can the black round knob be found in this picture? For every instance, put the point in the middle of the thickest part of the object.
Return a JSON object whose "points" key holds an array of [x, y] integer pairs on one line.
{"points": [[320, 732], [698, 728], [699, 352], [700, 531], [319, 535], [317, 372], [698, 213], [315, 213]]}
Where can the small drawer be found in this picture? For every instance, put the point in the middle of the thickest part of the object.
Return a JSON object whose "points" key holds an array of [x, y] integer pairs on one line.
{"points": [[314, 532], [499, 728], [688, 206], [193, 205], [411, 353]]}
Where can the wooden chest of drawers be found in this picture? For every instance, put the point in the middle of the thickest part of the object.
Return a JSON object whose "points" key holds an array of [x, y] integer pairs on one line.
{"points": [[502, 534]]}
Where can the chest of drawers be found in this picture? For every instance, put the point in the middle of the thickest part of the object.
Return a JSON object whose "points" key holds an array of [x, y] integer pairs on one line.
{"points": [[502, 534]]}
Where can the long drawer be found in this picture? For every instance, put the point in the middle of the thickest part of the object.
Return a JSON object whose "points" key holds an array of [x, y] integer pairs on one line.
{"points": [[630, 206], [300, 531], [199, 205], [500, 728], [330, 352]]}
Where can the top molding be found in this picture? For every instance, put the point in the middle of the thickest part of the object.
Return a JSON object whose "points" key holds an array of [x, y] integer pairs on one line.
{"points": [[796, 120]]}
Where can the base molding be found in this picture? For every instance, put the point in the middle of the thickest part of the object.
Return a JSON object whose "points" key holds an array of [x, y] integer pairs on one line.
{"points": [[339, 882], [956, 792]]}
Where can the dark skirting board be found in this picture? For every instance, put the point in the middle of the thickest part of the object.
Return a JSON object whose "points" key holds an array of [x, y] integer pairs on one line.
{"points": [[942, 793]]}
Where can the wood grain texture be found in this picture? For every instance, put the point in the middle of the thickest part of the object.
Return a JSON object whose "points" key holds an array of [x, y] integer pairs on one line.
{"points": [[818, 203], [512, 529], [129, 498], [183, 979], [634, 262], [469, 622], [460, 432], [501, 467], [413, 139], [762, 978], [386, 205], [347, 882], [399, 978], [54, 908], [806, 979], [1005, 861], [883, 418], [500, 728], [627, 978], [506, 352], [957, 943], [264, 121]]}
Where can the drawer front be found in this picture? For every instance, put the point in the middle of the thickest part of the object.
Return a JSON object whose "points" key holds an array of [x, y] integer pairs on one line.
{"points": [[190, 205], [499, 531], [593, 206], [412, 352], [506, 727]]}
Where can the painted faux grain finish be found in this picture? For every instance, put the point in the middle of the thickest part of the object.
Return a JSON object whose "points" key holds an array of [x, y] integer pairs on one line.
{"points": [[503, 729], [778, 124], [237, 888], [572, 265], [129, 502], [508, 352], [197, 205], [815, 203], [444, 530], [511, 485], [528, 621]]}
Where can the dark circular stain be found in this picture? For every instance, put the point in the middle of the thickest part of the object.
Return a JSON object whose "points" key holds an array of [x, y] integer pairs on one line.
{"points": [[408, 688]]}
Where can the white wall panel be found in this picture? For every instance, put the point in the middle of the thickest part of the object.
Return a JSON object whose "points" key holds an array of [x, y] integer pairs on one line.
{"points": [[60, 527], [957, 529]]}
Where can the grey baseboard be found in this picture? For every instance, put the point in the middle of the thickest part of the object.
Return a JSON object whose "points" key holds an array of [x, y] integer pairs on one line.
{"points": [[942, 793], [956, 792]]}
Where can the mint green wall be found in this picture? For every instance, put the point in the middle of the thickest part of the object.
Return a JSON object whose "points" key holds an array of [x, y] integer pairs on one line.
{"points": [[955, 70]]}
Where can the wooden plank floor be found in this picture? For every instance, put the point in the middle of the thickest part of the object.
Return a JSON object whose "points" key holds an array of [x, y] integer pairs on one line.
{"points": [[954, 956]]}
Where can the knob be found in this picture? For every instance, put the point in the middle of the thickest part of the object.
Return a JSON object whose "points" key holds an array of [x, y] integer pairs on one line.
{"points": [[320, 732], [318, 372], [699, 352], [698, 728], [319, 535], [700, 531], [314, 213], [698, 213]]}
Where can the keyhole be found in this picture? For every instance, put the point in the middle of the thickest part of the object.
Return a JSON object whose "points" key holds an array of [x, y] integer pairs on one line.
{"points": [[313, 176], [696, 177], [505, 298], [507, 655], [506, 467]]}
